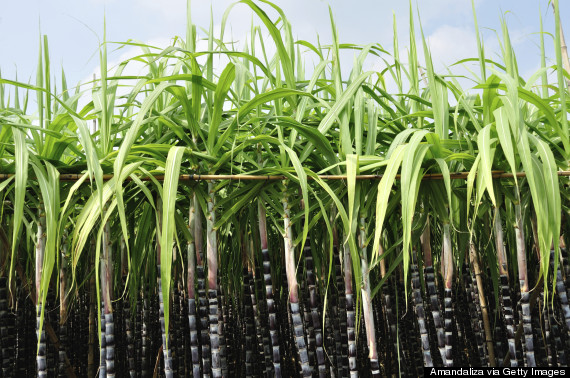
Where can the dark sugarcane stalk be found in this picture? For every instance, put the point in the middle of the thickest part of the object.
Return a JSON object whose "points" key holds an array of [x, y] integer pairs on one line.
{"points": [[401, 326], [168, 370], [203, 313], [41, 335], [202, 298], [62, 309], [155, 334], [249, 324], [524, 287], [212, 256], [91, 364], [314, 303], [383, 334], [4, 330], [367, 302], [547, 333], [458, 320], [562, 294], [329, 344], [165, 343], [294, 287], [288, 338], [233, 336], [120, 356], [389, 348], [272, 317], [258, 368], [192, 319], [102, 345], [558, 345], [477, 317], [138, 334], [107, 288], [176, 347], [429, 274], [183, 365], [470, 336], [390, 317], [307, 324], [560, 350], [51, 354], [505, 293], [103, 339], [476, 324], [448, 284], [11, 336], [24, 351], [483, 305], [127, 314], [145, 343], [248, 310], [420, 311], [339, 317], [350, 312], [265, 347], [222, 318]]}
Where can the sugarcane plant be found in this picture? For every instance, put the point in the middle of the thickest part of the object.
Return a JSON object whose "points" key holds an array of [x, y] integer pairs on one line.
{"points": [[236, 213]]}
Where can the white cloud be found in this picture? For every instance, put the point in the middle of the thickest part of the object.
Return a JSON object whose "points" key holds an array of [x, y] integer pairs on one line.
{"points": [[449, 44]]}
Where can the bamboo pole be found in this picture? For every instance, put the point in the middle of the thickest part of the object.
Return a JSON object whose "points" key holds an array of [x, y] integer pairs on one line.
{"points": [[194, 177]]}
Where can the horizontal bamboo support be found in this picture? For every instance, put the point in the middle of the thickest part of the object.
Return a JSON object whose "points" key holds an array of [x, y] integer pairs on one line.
{"points": [[193, 177]]}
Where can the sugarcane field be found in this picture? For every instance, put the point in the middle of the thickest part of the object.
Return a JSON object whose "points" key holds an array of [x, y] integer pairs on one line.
{"points": [[280, 207]]}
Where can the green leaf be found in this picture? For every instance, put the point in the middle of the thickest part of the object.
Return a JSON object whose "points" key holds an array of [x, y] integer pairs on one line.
{"points": [[169, 190], [224, 84]]}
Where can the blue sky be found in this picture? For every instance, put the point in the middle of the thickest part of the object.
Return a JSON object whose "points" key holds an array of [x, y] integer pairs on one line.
{"points": [[74, 27]]}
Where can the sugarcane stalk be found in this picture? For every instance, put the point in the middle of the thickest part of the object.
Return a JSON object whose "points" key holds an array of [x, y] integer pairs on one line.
{"points": [[350, 312], [222, 318], [390, 316], [102, 343], [294, 286], [203, 313], [547, 332], [127, 314], [5, 340], [165, 344], [212, 256], [107, 287], [62, 308], [272, 316], [429, 274], [41, 335], [249, 324], [448, 284], [314, 304], [524, 286], [483, 305], [475, 310], [420, 311], [192, 321], [202, 298], [339, 317], [145, 344], [367, 302], [259, 367], [505, 297], [91, 366]]}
